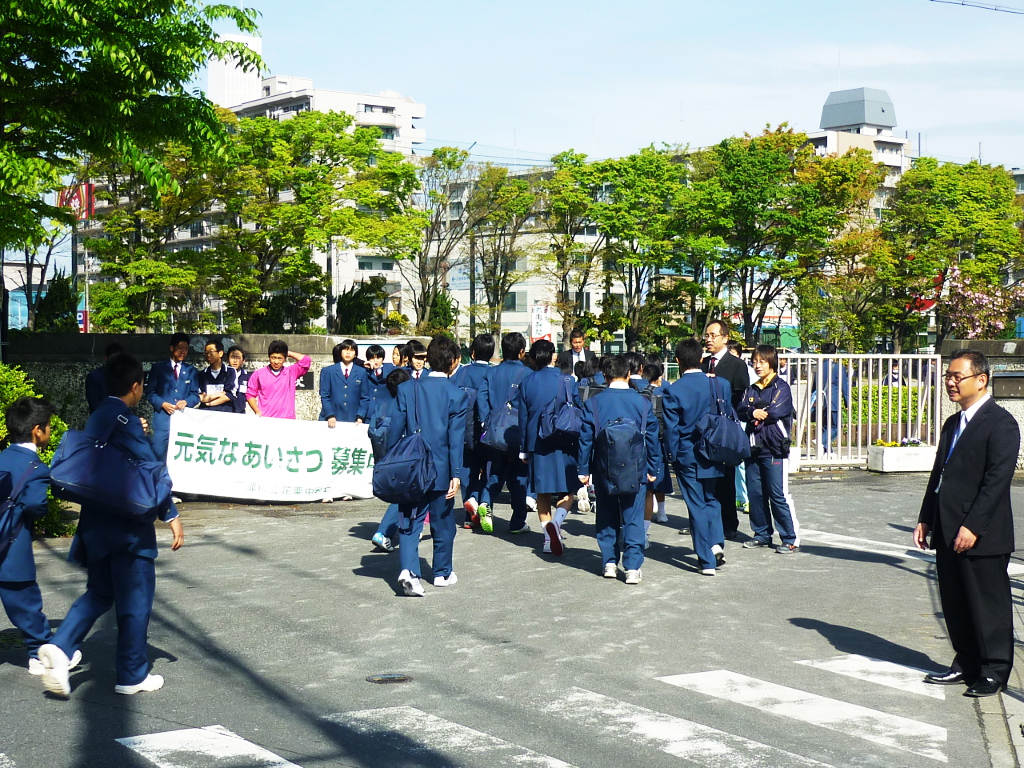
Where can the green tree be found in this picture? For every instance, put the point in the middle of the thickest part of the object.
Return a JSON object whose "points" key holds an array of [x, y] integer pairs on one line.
{"points": [[358, 308], [107, 79], [57, 310]]}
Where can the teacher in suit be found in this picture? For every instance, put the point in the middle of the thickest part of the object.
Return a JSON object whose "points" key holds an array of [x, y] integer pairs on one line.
{"points": [[577, 352], [966, 513], [734, 371]]}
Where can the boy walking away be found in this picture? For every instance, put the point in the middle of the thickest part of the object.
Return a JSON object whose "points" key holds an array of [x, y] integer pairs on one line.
{"points": [[619, 445], [344, 387], [25, 478], [380, 423], [118, 553], [272, 389], [654, 371], [217, 383], [472, 379], [173, 385], [95, 391], [437, 409]]}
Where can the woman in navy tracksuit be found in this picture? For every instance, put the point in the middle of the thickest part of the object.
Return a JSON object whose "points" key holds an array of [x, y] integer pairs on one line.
{"points": [[552, 462], [767, 406]]}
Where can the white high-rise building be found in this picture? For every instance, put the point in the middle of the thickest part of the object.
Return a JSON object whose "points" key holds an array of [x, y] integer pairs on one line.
{"points": [[227, 84]]}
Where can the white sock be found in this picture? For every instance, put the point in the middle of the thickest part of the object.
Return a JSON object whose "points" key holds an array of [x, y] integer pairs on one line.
{"points": [[647, 526], [560, 513]]}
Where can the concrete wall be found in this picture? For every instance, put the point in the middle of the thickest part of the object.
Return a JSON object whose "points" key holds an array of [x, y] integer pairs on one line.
{"points": [[60, 362]]}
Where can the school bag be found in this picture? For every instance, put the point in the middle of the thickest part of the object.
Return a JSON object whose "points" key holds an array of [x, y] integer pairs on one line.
{"points": [[501, 430], [377, 431], [721, 438], [88, 469], [561, 419], [472, 422], [11, 524], [406, 473], [620, 453]]}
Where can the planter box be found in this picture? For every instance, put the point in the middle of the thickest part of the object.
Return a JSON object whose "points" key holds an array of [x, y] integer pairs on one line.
{"points": [[912, 459]]}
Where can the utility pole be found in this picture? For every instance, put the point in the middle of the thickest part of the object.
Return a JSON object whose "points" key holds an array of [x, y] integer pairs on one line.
{"points": [[472, 285]]}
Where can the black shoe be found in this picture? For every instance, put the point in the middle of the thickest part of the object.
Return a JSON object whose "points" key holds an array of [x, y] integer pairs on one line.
{"points": [[949, 677], [986, 686], [755, 543], [732, 535]]}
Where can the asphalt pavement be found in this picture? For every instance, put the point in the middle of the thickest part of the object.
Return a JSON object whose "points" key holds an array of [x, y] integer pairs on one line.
{"points": [[271, 619]]}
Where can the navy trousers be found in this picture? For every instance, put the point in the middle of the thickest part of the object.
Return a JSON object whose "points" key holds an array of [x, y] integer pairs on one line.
{"points": [[502, 471], [442, 528], [23, 603], [767, 489], [389, 523], [705, 515], [161, 424], [127, 582], [621, 513]]}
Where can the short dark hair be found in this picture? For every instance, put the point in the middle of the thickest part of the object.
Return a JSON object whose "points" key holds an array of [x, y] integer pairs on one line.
{"points": [[404, 353], [511, 345], [541, 352], [635, 361], [120, 373], [112, 349], [442, 353], [615, 367], [654, 369], [177, 338], [723, 324], [374, 351], [350, 344], [576, 334], [590, 367], [24, 415], [688, 353], [579, 370], [236, 348], [396, 377], [735, 346], [768, 354], [829, 348], [217, 341], [978, 361], [278, 347], [415, 347], [482, 347]]}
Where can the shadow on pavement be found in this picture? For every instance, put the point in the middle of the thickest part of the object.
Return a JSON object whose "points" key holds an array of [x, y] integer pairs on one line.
{"points": [[850, 640]]}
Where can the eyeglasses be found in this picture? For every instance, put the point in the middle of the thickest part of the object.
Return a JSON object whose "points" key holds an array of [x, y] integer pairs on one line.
{"points": [[713, 335], [956, 378]]}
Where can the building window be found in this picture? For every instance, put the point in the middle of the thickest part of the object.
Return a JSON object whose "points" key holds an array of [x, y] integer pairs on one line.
{"points": [[522, 264], [196, 229], [583, 300], [366, 265], [515, 301], [388, 133], [266, 90], [590, 230], [387, 266]]}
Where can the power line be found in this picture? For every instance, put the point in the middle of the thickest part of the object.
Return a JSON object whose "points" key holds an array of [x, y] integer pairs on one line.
{"points": [[983, 6]]}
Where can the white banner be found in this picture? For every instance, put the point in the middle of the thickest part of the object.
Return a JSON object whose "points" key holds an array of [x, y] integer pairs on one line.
{"points": [[244, 457], [540, 326]]}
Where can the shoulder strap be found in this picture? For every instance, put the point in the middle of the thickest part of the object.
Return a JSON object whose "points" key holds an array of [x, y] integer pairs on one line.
{"points": [[413, 420], [23, 479]]}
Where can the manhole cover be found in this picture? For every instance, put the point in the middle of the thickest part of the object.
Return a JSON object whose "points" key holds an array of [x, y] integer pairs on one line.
{"points": [[10, 639], [388, 679]]}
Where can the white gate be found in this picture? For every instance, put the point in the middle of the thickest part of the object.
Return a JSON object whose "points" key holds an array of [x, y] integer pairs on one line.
{"points": [[844, 403]]}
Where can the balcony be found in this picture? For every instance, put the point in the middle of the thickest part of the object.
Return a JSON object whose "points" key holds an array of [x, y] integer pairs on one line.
{"points": [[379, 119]]}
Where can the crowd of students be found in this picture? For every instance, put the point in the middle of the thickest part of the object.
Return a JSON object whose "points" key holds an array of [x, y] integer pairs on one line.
{"points": [[605, 434]]}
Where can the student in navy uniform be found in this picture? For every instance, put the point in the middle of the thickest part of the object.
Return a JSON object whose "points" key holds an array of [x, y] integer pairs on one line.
{"points": [[95, 392], [504, 382], [635, 361], [552, 462], [376, 374], [437, 408], [344, 387], [173, 385], [474, 377], [654, 371], [236, 359], [686, 400], [417, 356], [28, 430], [387, 531], [622, 513], [217, 385], [118, 553]]}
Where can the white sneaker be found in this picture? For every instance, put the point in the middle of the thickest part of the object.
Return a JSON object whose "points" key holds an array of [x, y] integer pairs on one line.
{"points": [[150, 684], [35, 666], [634, 577], [708, 572], [55, 670], [175, 500], [555, 539], [531, 503], [611, 571], [583, 499], [441, 581], [410, 584], [546, 549], [661, 517]]}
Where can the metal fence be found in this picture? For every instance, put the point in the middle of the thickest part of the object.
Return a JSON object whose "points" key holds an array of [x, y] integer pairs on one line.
{"points": [[844, 403]]}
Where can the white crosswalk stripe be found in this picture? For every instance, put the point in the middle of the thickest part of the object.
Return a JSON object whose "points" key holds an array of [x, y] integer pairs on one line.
{"points": [[880, 672], [202, 748], [706, 746], [444, 737], [5, 761], [852, 719]]}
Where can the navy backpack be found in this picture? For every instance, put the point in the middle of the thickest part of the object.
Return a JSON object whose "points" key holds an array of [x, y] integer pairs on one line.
{"points": [[501, 430], [561, 419], [406, 473], [721, 437], [620, 454], [9, 491]]}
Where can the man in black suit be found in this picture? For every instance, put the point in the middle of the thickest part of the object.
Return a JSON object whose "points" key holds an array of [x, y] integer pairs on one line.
{"points": [[733, 370], [966, 509], [576, 354]]}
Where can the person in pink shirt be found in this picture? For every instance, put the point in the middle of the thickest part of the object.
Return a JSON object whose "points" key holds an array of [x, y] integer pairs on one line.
{"points": [[272, 389]]}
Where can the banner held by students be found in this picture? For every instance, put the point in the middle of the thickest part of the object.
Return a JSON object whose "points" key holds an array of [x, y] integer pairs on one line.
{"points": [[224, 454]]}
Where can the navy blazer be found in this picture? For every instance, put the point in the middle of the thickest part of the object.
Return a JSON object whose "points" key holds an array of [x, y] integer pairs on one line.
{"points": [[378, 388], [162, 387], [344, 398], [539, 389], [100, 533], [95, 389], [608, 405], [499, 384], [476, 375], [241, 389], [19, 564], [225, 377], [685, 401], [437, 408]]}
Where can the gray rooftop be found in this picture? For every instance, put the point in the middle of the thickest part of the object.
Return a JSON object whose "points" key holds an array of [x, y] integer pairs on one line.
{"points": [[858, 106]]}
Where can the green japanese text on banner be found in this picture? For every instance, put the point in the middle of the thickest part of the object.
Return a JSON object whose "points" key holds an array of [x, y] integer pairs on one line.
{"points": [[243, 457]]}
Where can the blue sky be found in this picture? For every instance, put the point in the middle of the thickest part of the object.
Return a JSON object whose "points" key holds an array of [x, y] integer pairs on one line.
{"points": [[533, 78]]}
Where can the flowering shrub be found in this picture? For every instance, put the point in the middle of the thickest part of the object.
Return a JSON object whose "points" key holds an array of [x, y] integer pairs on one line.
{"points": [[976, 308], [906, 442]]}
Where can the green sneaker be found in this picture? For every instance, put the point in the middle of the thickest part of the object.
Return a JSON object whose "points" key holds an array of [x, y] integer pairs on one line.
{"points": [[486, 521]]}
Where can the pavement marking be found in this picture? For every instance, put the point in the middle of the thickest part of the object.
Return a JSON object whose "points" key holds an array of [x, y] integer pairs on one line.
{"points": [[852, 719], [434, 734], [706, 746], [5, 761], [202, 747], [887, 673], [882, 548]]}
